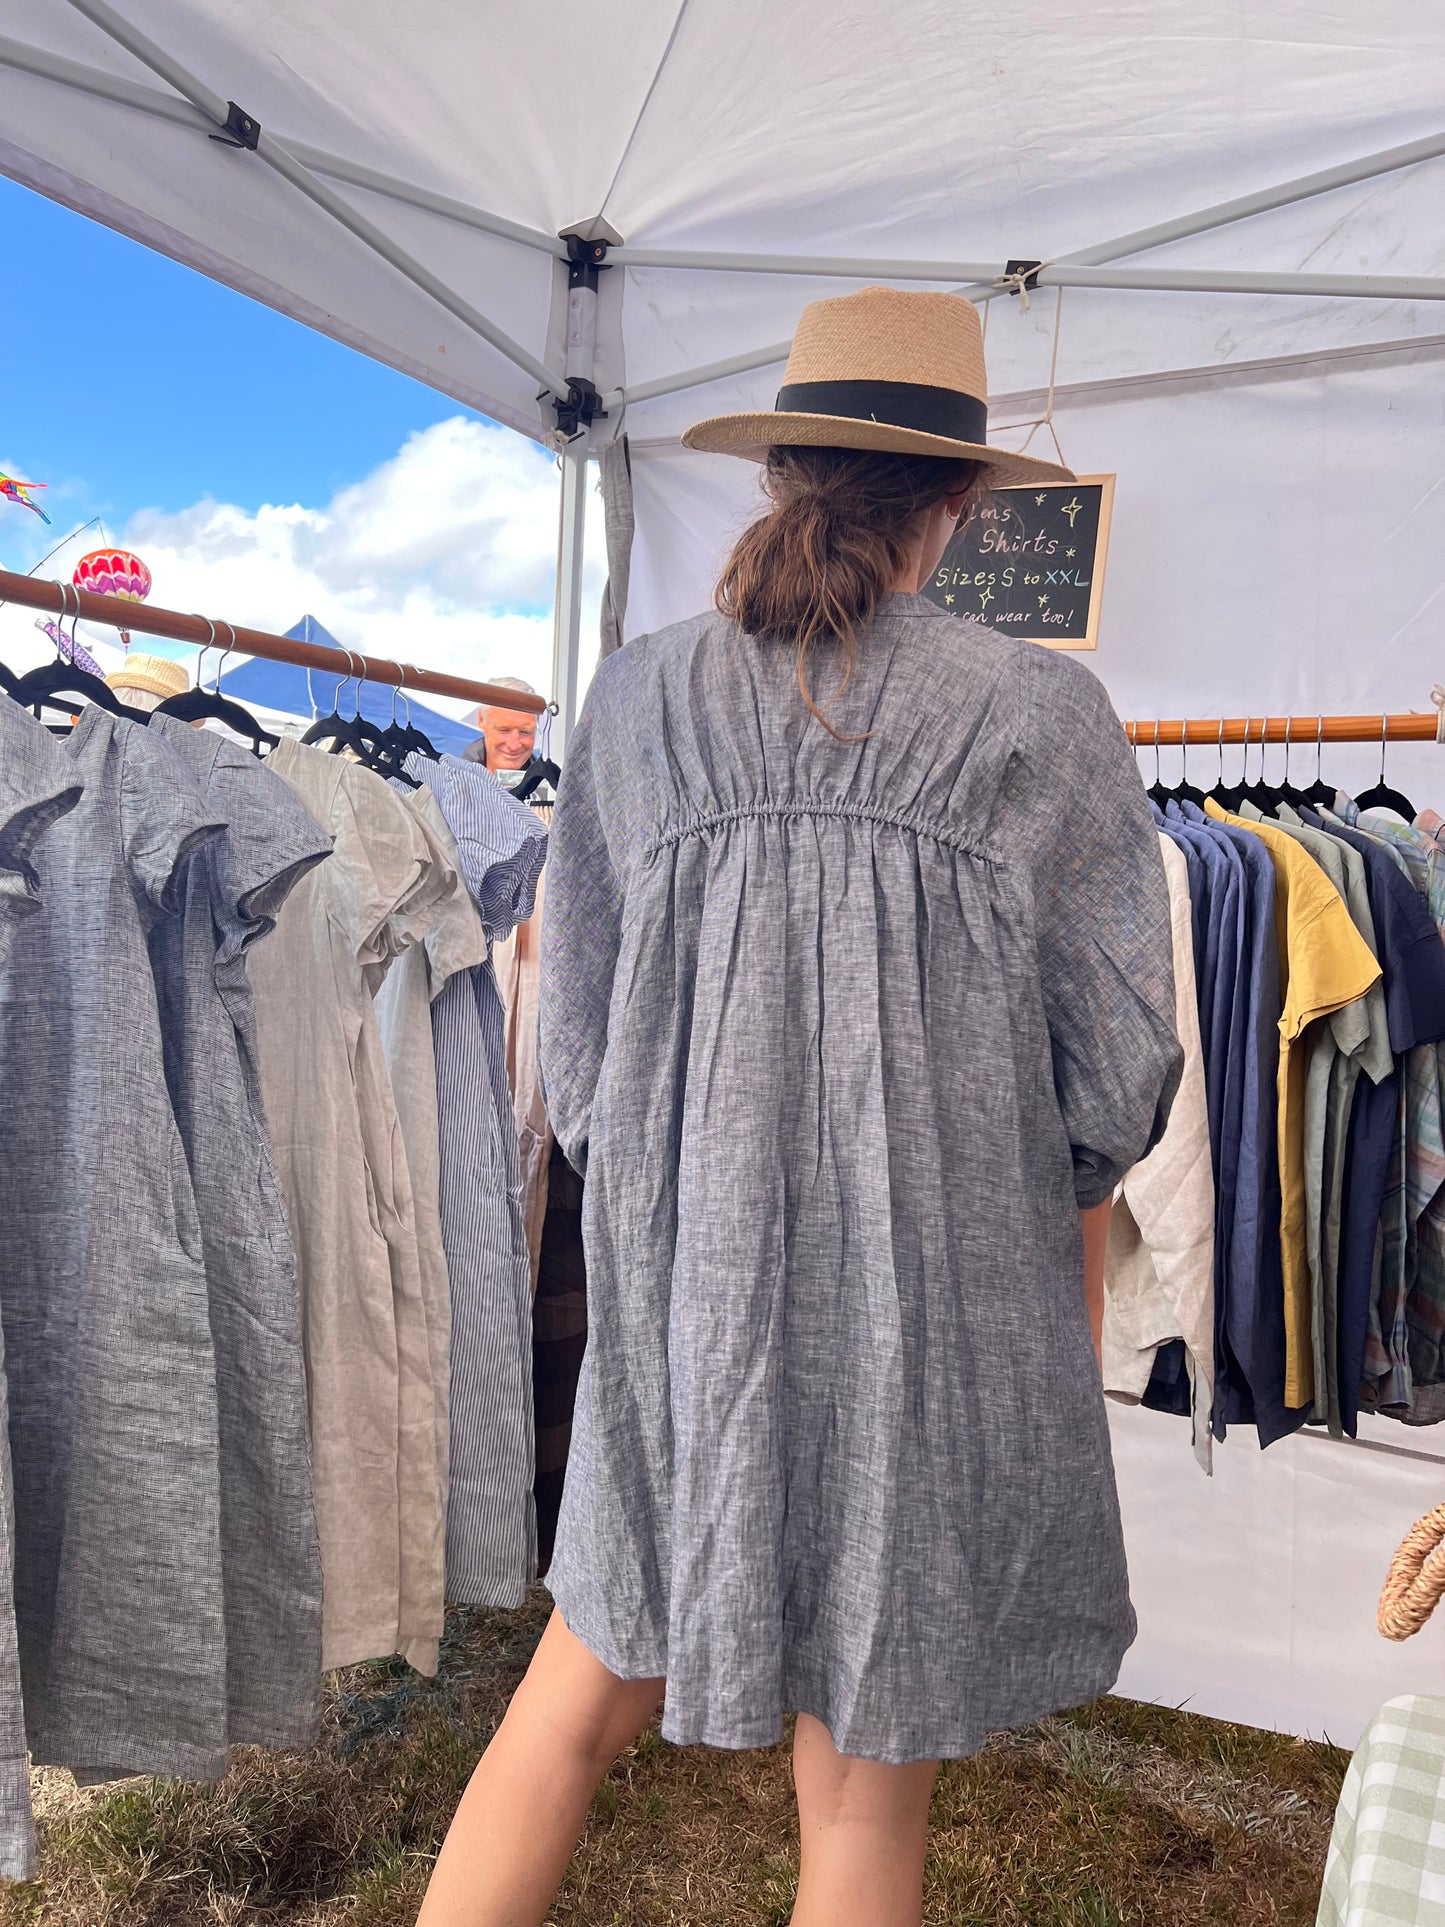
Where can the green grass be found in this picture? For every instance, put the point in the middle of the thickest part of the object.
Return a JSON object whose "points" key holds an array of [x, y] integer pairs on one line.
{"points": [[1121, 1815]]}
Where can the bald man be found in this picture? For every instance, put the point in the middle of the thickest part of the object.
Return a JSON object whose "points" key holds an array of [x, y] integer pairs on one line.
{"points": [[508, 735]]}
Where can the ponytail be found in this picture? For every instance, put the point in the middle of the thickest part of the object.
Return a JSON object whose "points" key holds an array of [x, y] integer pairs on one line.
{"points": [[840, 530]]}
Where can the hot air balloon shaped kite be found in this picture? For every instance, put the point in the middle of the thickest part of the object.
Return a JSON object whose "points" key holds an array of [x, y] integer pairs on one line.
{"points": [[14, 491], [114, 572]]}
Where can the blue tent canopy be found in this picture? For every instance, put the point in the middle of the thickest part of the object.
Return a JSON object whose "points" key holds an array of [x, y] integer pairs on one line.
{"points": [[293, 691]]}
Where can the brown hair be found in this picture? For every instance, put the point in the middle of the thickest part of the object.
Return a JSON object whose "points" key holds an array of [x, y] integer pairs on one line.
{"points": [[840, 528]]}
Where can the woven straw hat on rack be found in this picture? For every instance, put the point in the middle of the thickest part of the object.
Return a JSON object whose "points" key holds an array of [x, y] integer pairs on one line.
{"points": [[887, 370], [1416, 1578]]}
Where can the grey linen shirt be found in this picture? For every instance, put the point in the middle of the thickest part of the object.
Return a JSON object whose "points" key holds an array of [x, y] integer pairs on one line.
{"points": [[845, 1028], [38, 785], [110, 1356]]}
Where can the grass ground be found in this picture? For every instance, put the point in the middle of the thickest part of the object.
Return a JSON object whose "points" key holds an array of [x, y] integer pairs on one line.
{"points": [[1119, 1816]]}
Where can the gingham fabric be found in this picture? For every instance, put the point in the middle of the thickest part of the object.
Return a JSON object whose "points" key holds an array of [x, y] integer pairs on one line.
{"points": [[1386, 1864]]}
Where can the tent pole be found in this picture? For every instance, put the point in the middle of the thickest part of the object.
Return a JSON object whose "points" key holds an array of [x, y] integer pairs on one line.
{"points": [[1224, 213], [279, 157], [45, 65], [1365, 287], [1059, 274], [567, 629], [641, 257]]}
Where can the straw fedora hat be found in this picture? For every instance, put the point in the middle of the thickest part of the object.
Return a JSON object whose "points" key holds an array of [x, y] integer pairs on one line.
{"points": [[156, 675], [887, 370]]}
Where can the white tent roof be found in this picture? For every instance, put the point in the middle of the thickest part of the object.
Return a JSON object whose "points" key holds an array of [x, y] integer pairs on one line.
{"points": [[929, 133], [1279, 524]]}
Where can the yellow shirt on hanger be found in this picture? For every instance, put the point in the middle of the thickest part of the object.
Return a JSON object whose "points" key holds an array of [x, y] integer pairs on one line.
{"points": [[1324, 964]]}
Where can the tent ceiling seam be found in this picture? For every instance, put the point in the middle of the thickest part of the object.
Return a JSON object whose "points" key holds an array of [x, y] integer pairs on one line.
{"points": [[666, 55]]}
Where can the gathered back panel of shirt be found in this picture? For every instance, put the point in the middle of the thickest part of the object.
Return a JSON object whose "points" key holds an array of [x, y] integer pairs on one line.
{"points": [[342, 1160], [1324, 965], [491, 1554], [271, 1559], [109, 1350]]}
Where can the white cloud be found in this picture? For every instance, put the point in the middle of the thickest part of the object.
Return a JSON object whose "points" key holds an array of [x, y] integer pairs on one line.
{"points": [[445, 557]]}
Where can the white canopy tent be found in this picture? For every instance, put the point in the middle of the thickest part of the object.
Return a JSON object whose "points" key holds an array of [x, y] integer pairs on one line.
{"points": [[1245, 208]]}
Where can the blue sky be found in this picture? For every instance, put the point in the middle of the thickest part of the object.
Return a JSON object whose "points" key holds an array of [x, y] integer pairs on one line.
{"points": [[264, 472], [129, 381]]}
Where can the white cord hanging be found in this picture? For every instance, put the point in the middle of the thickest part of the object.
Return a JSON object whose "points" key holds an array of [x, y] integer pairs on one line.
{"points": [[1046, 420]]}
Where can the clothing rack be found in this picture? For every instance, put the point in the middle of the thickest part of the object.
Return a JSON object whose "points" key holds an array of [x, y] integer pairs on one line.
{"points": [[1210, 731], [63, 599]]}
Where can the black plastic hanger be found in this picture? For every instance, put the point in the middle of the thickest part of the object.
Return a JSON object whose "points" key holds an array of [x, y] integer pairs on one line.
{"points": [[399, 739], [1157, 792], [60, 684], [540, 770], [1320, 794], [1382, 796], [1229, 796], [337, 732], [1183, 791], [201, 704], [1290, 792]]}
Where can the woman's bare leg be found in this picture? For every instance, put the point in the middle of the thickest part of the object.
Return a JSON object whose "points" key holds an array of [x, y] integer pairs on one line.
{"points": [[864, 1831], [524, 1809]]}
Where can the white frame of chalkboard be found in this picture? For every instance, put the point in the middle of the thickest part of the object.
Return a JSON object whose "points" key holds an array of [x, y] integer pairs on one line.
{"points": [[1105, 485]]}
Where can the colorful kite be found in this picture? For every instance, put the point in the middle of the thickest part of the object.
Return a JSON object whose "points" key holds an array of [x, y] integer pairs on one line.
{"points": [[20, 492]]}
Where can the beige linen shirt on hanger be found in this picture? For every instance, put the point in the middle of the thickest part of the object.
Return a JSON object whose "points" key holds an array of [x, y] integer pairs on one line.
{"points": [[1159, 1273], [342, 1160], [453, 940]]}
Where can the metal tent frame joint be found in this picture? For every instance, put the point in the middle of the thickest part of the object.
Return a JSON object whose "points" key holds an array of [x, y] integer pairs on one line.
{"points": [[241, 129], [582, 407], [1020, 277]]}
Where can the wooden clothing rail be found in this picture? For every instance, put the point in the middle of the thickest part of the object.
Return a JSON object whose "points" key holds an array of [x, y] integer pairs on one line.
{"points": [[63, 599], [1298, 731]]}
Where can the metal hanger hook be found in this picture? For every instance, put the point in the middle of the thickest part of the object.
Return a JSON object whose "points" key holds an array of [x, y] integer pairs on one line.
{"points": [[1221, 752], [209, 643], [1158, 770], [227, 651], [1288, 731], [1384, 739], [1319, 748], [350, 674]]}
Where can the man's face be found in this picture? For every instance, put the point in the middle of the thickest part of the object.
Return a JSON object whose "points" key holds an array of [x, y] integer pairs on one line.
{"points": [[510, 736]]}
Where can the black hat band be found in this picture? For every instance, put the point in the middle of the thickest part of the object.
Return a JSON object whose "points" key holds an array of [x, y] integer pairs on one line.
{"points": [[892, 404]]}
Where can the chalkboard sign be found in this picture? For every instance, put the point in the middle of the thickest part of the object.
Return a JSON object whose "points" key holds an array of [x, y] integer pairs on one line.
{"points": [[1029, 562]]}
